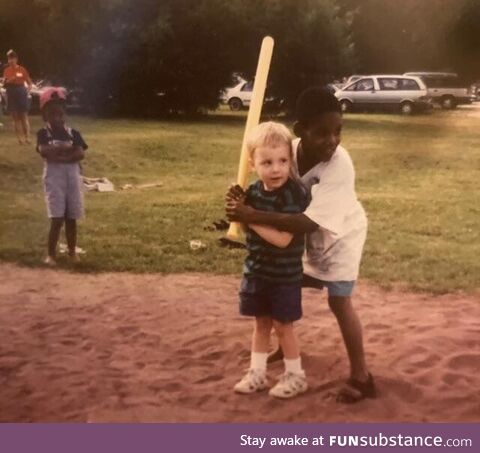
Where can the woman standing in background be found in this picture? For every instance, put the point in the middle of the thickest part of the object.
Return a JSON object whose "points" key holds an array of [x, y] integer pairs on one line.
{"points": [[16, 77]]}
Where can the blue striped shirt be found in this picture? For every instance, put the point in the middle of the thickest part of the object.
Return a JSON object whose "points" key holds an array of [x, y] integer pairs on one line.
{"points": [[264, 259]]}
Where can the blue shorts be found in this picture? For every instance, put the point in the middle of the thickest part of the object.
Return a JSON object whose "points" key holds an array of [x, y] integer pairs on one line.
{"points": [[338, 289], [260, 297], [17, 99]]}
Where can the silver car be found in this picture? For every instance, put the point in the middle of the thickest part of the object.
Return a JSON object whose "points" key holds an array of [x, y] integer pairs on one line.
{"points": [[404, 94], [445, 88]]}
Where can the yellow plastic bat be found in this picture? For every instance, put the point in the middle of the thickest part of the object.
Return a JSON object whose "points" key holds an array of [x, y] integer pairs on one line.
{"points": [[253, 118]]}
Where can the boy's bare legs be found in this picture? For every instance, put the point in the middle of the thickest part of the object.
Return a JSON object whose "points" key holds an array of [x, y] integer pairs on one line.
{"points": [[293, 382], [287, 339], [351, 329], [256, 378], [261, 334], [360, 385], [71, 235], [277, 354], [53, 236]]}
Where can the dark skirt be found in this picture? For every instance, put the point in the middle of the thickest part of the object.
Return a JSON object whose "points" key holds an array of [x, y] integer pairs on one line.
{"points": [[17, 99]]}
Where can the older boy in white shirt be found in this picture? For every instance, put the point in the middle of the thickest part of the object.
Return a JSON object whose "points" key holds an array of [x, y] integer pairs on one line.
{"points": [[334, 221]]}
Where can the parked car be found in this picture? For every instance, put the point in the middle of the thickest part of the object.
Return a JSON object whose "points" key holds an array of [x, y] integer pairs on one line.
{"points": [[240, 95], [333, 87], [352, 78], [475, 91], [445, 88], [397, 92], [74, 97], [3, 95]]}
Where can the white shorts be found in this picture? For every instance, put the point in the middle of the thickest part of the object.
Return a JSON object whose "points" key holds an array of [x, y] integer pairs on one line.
{"points": [[63, 187]]}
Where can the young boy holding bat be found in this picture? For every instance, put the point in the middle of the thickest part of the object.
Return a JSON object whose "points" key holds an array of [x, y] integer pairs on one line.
{"points": [[271, 286], [334, 222]]}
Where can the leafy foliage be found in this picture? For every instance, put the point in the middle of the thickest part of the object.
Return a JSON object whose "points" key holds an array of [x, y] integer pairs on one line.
{"points": [[148, 57], [175, 55]]}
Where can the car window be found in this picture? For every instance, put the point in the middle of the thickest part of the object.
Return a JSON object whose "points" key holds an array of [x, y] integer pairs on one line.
{"points": [[364, 85], [409, 84], [248, 86], [352, 79], [352, 87], [389, 83], [432, 82], [454, 82], [444, 82]]}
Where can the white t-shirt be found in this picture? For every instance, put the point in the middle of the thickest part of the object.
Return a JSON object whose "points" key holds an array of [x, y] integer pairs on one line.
{"points": [[334, 251]]}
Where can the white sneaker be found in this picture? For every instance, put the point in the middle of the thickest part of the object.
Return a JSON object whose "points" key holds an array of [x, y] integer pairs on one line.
{"points": [[50, 261], [253, 381], [289, 385]]}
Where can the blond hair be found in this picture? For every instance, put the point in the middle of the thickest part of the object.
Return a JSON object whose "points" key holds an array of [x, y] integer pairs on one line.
{"points": [[269, 133]]}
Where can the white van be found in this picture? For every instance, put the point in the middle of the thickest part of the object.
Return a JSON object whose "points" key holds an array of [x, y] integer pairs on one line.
{"points": [[397, 92]]}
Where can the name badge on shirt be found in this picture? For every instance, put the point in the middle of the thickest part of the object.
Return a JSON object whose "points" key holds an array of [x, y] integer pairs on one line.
{"points": [[19, 74]]}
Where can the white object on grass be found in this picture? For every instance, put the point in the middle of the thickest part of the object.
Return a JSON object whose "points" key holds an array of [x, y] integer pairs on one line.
{"points": [[197, 245], [62, 248], [98, 184]]}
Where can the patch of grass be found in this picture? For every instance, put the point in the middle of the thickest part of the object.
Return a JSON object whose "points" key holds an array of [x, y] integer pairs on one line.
{"points": [[416, 176]]}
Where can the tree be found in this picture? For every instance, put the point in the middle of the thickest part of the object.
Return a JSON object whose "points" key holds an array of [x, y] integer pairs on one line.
{"points": [[394, 36], [464, 41], [312, 43], [175, 55]]}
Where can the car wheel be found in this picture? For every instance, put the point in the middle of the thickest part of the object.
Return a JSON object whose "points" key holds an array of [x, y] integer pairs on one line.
{"points": [[235, 104], [346, 106], [406, 108], [448, 102]]}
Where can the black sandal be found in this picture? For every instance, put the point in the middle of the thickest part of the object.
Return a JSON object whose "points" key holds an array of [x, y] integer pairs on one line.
{"points": [[355, 390]]}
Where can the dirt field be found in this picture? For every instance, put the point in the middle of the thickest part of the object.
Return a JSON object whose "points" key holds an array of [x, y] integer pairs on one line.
{"points": [[125, 347]]}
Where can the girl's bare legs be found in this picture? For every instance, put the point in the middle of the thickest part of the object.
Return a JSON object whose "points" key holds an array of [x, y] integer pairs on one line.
{"points": [[71, 235], [53, 235]]}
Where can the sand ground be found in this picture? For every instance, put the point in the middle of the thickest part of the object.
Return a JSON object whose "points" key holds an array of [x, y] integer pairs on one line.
{"points": [[125, 347]]}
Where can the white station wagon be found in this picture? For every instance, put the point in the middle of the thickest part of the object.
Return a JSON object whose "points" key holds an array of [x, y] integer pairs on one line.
{"points": [[374, 92]]}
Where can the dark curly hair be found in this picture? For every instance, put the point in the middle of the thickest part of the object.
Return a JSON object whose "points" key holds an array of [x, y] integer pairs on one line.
{"points": [[315, 101]]}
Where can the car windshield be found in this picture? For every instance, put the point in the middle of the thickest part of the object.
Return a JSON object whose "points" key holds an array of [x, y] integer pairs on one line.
{"points": [[248, 86], [364, 85]]}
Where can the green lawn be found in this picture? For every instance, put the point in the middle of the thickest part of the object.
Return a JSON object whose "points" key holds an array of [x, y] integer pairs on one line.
{"points": [[418, 178]]}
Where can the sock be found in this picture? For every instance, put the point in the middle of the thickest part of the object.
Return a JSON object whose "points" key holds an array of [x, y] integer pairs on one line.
{"points": [[293, 365], [258, 361]]}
